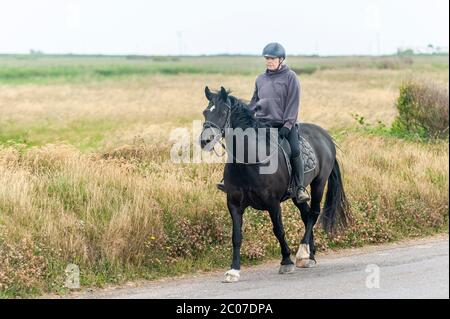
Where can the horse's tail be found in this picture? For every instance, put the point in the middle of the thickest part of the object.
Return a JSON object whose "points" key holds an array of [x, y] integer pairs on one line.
{"points": [[336, 211]]}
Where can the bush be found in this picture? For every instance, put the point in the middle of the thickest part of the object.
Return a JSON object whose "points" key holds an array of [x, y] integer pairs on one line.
{"points": [[388, 64], [422, 110], [307, 69]]}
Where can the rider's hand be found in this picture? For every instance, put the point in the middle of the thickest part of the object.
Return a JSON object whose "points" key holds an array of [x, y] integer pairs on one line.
{"points": [[284, 132]]}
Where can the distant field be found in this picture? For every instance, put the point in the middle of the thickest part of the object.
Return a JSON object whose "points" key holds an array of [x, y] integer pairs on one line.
{"points": [[44, 69], [86, 177]]}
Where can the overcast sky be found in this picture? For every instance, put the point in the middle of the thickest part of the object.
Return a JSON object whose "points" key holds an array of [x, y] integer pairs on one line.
{"points": [[325, 27]]}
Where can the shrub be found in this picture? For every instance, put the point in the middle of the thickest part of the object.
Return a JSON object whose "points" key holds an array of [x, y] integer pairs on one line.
{"points": [[422, 110], [307, 69], [388, 64]]}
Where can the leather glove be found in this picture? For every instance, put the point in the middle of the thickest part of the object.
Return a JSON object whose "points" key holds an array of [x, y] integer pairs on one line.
{"points": [[284, 132]]}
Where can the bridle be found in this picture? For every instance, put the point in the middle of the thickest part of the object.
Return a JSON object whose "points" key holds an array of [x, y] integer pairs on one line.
{"points": [[218, 137], [209, 124]]}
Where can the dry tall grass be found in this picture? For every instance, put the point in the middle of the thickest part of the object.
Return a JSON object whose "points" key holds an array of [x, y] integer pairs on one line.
{"points": [[125, 210], [144, 105]]}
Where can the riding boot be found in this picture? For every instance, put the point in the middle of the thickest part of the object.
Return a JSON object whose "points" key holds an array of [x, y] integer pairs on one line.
{"points": [[221, 186], [300, 193]]}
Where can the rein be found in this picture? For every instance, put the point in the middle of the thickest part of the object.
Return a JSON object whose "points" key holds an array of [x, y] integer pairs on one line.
{"points": [[219, 137]]}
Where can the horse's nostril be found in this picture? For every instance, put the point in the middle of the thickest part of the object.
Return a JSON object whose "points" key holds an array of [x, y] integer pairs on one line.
{"points": [[204, 141]]}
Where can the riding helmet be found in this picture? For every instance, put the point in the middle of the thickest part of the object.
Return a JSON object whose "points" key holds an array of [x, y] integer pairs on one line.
{"points": [[274, 50]]}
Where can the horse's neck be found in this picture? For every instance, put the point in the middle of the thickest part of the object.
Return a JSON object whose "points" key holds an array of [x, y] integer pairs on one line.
{"points": [[250, 123], [241, 119]]}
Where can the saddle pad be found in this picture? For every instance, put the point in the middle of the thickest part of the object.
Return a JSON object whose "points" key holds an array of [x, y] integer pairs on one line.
{"points": [[308, 156]]}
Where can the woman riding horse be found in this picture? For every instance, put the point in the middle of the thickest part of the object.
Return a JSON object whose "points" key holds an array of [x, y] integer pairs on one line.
{"points": [[276, 101]]}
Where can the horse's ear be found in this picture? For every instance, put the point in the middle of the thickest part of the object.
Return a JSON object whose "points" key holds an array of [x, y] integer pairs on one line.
{"points": [[208, 93], [223, 93]]}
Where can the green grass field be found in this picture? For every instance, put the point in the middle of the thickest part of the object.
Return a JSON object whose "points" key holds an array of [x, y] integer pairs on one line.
{"points": [[45, 69]]}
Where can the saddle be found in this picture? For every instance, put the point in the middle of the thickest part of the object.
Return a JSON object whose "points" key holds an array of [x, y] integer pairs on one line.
{"points": [[308, 157]]}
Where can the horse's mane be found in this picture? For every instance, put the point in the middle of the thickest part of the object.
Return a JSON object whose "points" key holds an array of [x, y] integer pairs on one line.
{"points": [[242, 115]]}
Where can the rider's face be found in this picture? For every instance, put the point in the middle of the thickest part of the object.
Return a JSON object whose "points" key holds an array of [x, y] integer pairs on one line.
{"points": [[272, 63]]}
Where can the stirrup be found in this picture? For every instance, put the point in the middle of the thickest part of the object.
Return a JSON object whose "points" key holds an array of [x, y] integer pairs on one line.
{"points": [[221, 186], [302, 199]]}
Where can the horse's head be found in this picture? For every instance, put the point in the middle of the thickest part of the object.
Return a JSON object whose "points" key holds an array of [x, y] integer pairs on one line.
{"points": [[217, 118]]}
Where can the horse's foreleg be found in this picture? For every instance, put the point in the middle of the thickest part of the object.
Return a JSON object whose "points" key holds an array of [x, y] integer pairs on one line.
{"points": [[287, 266], [236, 213]]}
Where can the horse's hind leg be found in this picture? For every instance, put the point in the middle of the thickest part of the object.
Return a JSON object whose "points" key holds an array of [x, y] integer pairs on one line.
{"points": [[305, 254], [305, 257], [287, 266]]}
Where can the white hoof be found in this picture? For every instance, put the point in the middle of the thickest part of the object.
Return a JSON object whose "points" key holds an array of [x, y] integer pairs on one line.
{"points": [[232, 275], [286, 269], [305, 263]]}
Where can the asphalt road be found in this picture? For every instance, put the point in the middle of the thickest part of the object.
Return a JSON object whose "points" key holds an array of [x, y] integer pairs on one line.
{"points": [[413, 269]]}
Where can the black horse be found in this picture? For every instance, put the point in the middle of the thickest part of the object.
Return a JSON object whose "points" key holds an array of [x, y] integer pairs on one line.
{"points": [[245, 186]]}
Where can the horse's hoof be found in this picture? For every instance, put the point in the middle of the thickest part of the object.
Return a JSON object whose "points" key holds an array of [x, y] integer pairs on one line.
{"points": [[232, 276], [286, 269], [305, 263]]}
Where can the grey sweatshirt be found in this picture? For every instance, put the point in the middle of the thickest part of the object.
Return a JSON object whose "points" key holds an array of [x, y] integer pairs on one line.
{"points": [[276, 98]]}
